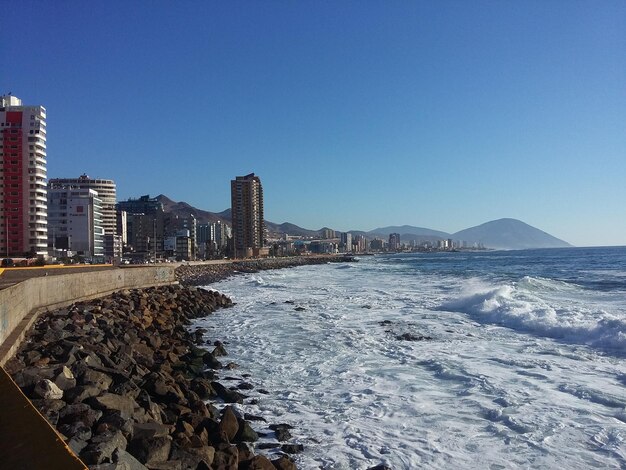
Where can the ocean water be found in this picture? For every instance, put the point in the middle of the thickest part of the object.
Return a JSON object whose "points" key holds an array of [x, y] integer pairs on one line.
{"points": [[522, 362]]}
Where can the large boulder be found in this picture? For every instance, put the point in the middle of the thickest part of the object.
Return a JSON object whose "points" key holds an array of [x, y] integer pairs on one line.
{"points": [[191, 457], [284, 463], [79, 412], [111, 402], [122, 460], [151, 450], [150, 430], [246, 433], [96, 378], [226, 394], [103, 446], [258, 462], [81, 393], [47, 390], [281, 431], [229, 424], [226, 458], [65, 379]]}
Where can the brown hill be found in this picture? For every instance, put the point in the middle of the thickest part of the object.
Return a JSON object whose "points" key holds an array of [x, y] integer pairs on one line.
{"points": [[182, 209]]}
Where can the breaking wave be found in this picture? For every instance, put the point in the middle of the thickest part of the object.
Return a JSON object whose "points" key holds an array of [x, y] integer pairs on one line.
{"points": [[531, 306]]}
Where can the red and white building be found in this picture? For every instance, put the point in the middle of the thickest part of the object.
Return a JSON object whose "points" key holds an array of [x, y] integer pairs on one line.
{"points": [[23, 195]]}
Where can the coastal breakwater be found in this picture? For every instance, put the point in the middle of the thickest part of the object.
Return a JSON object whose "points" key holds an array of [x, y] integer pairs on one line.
{"points": [[48, 375], [202, 274], [21, 303], [123, 380]]}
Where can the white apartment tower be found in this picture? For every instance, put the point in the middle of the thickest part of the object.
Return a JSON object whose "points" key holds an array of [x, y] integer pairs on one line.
{"points": [[23, 173], [75, 222], [106, 192]]}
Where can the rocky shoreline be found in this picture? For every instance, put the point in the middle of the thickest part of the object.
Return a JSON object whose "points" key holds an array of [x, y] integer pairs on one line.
{"points": [[204, 274], [126, 384]]}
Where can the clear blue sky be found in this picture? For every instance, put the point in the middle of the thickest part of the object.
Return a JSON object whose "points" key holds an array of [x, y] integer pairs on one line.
{"points": [[440, 114]]}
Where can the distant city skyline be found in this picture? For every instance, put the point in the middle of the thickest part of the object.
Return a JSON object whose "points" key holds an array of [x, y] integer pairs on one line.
{"points": [[442, 115]]}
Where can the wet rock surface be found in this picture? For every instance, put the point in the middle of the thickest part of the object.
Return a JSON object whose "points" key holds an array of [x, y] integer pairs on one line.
{"points": [[126, 384]]}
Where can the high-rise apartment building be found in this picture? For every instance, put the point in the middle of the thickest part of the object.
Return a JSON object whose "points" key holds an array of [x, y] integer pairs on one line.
{"points": [[23, 195], [75, 222], [141, 224], [346, 242], [106, 192], [394, 241], [247, 216]]}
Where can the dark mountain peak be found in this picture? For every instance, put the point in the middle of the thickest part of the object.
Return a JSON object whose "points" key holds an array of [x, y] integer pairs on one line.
{"points": [[290, 229], [183, 209], [164, 199]]}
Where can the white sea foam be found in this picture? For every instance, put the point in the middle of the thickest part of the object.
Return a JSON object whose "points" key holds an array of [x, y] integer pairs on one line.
{"points": [[502, 384], [520, 307]]}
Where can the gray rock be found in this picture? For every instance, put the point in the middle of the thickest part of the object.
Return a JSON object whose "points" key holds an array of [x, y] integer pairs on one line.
{"points": [[246, 433], [97, 379], [259, 462], [111, 402], [77, 445], [210, 360], [76, 430], [150, 430], [229, 423], [268, 445], [219, 350], [229, 396], [102, 447], [149, 451], [251, 417], [126, 461], [122, 460], [81, 393], [292, 448], [226, 458], [203, 388], [31, 375], [284, 463], [192, 456], [282, 433], [80, 412], [48, 390], [65, 380]]}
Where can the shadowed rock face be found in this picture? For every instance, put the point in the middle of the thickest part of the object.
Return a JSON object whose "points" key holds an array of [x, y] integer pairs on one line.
{"points": [[121, 378]]}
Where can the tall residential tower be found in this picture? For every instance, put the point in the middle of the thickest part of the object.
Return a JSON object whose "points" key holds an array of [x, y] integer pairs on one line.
{"points": [[23, 195], [247, 216]]}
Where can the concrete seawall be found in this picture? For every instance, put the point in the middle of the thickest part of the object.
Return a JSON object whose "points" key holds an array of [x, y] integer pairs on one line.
{"points": [[27, 440], [20, 304]]}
